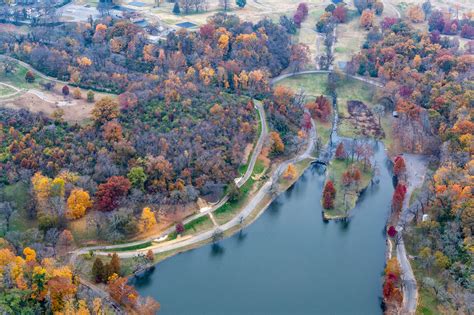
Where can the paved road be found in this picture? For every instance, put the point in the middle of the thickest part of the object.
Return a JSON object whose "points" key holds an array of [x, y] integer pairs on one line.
{"points": [[258, 147], [246, 211], [255, 154], [416, 169]]}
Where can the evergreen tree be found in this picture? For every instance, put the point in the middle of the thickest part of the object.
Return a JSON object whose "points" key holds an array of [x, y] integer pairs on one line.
{"points": [[176, 9], [241, 3], [115, 264], [98, 270]]}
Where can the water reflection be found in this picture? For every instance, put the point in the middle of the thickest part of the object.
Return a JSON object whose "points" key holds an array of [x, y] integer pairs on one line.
{"points": [[292, 262]]}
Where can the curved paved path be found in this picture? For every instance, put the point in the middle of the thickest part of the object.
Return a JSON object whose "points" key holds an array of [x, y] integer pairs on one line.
{"points": [[258, 146], [248, 173]]}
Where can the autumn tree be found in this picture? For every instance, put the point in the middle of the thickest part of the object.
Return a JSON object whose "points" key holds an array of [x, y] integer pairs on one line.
{"points": [[112, 131], [320, 109], [78, 203], [147, 219], [76, 94], [105, 110], [150, 256], [398, 197], [399, 167], [179, 228], [340, 151], [329, 194], [109, 193], [290, 172], [415, 14], [29, 76], [65, 90], [121, 292], [367, 19], [299, 56], [277, 144], [114, 265]]}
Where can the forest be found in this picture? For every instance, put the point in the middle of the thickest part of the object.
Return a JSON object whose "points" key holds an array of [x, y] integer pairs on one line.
{"points": [[428, 81]]}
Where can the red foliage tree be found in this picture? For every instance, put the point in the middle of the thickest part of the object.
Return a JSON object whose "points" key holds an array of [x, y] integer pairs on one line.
{"points": [[398, 197], [340, 13], [399, 166], [392, 231], [329, 193], [109, 193], [179, 228], [320, 109], [300, 14], [388, 22], [65, 90], [341, 151]]}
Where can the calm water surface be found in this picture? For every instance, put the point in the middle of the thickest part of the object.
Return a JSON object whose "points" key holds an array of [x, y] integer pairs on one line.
{"points": [[287, 262]]}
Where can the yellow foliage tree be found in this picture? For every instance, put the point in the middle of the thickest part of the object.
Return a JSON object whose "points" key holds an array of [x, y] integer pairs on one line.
{"points": [[290, 172], [41, 186], [148, 219], [78, 203], [105, 110], [30, 254]]}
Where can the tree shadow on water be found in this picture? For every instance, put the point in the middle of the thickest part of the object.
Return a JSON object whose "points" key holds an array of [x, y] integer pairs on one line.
{"points": [[217, 250], [241, 236]]}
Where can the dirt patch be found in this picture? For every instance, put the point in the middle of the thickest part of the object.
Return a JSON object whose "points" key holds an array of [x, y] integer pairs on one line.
{"points": [[37, 101], [363, 120]]}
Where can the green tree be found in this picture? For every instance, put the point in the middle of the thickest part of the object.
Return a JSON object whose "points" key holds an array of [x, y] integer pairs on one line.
{"points": [[90, 96], [441, 260], [137, 177], [98, 270], [241, 3], [176, 9]]}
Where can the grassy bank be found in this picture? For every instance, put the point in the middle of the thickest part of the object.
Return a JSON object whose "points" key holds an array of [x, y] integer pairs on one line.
{"points": [[346, 198]]}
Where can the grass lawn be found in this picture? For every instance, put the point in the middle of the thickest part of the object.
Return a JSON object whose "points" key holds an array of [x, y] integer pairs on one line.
{"points": [[18, 194], [6, 90], [203, 223], [17, 78], [128, 248], [335, 170], [311, 84], [229, 209]]}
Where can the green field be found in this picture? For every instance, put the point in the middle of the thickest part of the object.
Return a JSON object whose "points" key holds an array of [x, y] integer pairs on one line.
{"points": [[17, 79], [18, 195], [311, 84], [6, 90], [200, 224]]}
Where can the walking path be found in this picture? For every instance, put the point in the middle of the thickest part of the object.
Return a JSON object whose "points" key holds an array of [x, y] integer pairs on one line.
{"points": [[416, 166], [203, 212], [258, 146]]}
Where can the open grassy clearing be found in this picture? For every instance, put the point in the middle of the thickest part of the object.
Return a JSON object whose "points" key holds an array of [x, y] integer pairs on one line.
{"points": [[6, 90], [201, 224], [311, 84], [343, 204], [18, 195]]}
